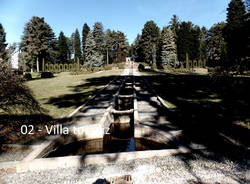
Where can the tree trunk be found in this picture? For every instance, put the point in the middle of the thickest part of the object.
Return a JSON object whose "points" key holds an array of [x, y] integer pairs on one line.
{"points": [[107, 56], [37, 64]]}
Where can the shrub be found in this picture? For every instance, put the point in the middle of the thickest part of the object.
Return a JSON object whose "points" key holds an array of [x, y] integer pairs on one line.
{"points": [[47, 75], [15, 97], [27, 76], [141, 67]]}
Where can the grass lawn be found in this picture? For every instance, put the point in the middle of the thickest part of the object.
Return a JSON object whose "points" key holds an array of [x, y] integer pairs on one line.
{"points": [[207, 108], [60, 95]]}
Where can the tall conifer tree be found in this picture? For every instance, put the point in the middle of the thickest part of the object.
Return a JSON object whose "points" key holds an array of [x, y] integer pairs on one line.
{"points": [[77, 45], [98, 36], [168, 47], [149, 41], [63, 48], [37, 40], [93, 56], [234, 33], [85, 31]]}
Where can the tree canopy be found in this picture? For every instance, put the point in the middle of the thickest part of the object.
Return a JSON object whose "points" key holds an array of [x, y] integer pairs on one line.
{"points": [[77, 45], [85, 31], [93, 57], [234, 31], [3, 54], [168, 47], [149, 40], [37, 39], [62, 48]]}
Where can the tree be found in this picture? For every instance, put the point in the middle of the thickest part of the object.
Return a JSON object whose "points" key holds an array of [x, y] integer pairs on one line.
{"points": [[98, 36], [216, 44], [174, 25], [85, 31], [62, 48], [70, 48], [23, 63], [188, 41], [203, 43], [77, 45], [93, 57], [114, 40], [120, 40], [234, 31], [37, 39], [149, 41], [108, 44], [168, 47], [3, 53], [136, 48], [54, 53]]}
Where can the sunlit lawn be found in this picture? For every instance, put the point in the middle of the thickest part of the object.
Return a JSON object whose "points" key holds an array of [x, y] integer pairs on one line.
{"points": [[66, 84]]}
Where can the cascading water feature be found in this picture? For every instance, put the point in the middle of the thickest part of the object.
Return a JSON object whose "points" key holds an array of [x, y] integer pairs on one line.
{"points": [[122, 129], [122, 134]]}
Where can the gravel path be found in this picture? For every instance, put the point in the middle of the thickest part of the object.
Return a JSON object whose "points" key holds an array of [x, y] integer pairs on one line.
{"points": [[168, 170]]}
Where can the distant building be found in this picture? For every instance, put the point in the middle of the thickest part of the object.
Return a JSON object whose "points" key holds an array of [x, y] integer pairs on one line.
{"points": [[128, 59], [14, 59]]}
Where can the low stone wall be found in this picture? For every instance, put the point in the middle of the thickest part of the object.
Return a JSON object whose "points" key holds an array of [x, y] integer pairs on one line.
{"points": [[79, 161]]}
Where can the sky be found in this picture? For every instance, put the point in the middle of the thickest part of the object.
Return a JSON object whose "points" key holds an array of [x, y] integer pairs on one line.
{"points": [[127, 16]]}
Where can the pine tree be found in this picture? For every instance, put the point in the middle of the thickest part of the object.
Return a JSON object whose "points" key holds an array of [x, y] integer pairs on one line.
{"points": [[70, 48], [54, 53], [203, 43], [184, 40], [37, 40], [149, 41], [23, 63], [98, 36], [136, 48], [108, 44], [114, 40], [85, 31], [3, 53], [120, 40], [93, 56], [62, 48], [168, 47], [77, 45], [188, 41], [216, 44], [234, 34], [174, 25]]}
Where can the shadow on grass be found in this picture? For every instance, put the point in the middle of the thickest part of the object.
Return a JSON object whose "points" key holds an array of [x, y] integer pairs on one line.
{"points": [[10, 128], [207, 109], [70, 100], [80, 93]]}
